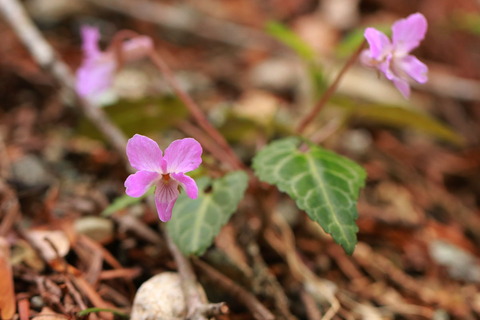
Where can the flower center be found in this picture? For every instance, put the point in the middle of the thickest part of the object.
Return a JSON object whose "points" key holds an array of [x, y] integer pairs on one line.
{"points": [[166, 178]]}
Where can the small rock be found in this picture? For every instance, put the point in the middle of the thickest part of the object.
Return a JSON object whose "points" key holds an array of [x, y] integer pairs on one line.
{"points": [[30, 172], [96, 228], [276, 74], [357, 141], [460, 264], [53, 11], [160, 298]]}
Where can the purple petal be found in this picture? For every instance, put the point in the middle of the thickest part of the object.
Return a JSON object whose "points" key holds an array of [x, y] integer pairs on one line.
{"points": [[166, 195], [136, 48], [90, 38], [144, 154], [379, 43], [385, 67], [187, 183], [402, 86], [95, 77], [414, 68], [407, 33], [367, 60], [183, 155], [138, 183]]}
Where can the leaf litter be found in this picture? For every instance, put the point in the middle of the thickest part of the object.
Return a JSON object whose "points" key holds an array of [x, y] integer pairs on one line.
{"points": [[419, 221]]}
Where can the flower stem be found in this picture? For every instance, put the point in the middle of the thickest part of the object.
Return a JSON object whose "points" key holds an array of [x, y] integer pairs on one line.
{"points": [[195, 110], [330, 91]]}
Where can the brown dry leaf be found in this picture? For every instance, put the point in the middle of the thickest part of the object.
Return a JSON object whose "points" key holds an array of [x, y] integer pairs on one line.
{"points": [[7, 293], [52, 244], [400, 204]]}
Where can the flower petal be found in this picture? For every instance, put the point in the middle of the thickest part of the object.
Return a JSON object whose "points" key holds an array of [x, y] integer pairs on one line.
{"points": [[407, 33], [402, 86], [414, 68], [144, 154], [138, 183], [166, 195], [136, 48], [183, 155], [385, 67], [187, 183], [379, 43], [366, 59], [95, 77], [90, 37]]}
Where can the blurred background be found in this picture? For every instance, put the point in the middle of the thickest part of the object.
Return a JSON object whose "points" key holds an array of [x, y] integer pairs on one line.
{"points": [[255, 67]]}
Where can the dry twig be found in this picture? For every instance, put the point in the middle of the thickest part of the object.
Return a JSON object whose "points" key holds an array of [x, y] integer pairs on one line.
{"points": [[198, 309], [257, 309]]}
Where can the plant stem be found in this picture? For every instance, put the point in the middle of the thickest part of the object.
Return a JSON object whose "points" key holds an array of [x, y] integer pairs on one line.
{"points": [[195, 110], [330, 91]]}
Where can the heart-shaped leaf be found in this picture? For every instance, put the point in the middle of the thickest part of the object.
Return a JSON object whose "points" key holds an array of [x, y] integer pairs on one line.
{"points": [[323, 183], [195, 223]]}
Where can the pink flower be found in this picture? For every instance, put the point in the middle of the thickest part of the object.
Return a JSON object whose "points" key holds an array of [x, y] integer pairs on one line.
{"points": [[98, 68], [166, 172], [392, 58]]}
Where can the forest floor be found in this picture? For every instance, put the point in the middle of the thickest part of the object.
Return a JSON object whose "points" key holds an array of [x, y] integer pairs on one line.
{"points": [[418, 255]]}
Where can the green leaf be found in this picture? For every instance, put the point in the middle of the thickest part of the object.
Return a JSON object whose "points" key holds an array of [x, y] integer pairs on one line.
{"points": [[122, 202], [144, 116], [400, 117], [289, 38], [323, 183], [350, 43], [86, 312], [468, 21], [195, 223]]}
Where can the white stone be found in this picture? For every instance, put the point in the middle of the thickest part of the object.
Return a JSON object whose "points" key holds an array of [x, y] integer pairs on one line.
{"points": [[160, 298]]}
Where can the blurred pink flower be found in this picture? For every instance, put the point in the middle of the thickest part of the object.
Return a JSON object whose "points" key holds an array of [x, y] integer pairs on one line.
{"points": [[165, 172], [392, 58], [98, 68]]}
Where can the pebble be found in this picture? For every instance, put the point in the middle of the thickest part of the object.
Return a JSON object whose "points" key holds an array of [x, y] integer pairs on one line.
{"points": [[160, 298], [30, 172], [97, 228]]}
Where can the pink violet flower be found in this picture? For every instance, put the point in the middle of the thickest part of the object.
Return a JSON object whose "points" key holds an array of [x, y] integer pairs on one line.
{"points": [[393, 58], [97, 71], [164, 171]]}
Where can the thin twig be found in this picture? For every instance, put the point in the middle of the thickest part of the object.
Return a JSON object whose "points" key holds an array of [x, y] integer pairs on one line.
{"points": [[195, 303], [210, 145], [257, 309], [330, 91]]}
